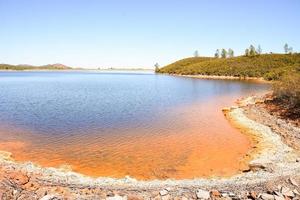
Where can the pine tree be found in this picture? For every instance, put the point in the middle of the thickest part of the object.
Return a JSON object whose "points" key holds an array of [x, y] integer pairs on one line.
{"points": [[252, 51], [259, 50], [230, 53], [224, 53], [217, 54]]}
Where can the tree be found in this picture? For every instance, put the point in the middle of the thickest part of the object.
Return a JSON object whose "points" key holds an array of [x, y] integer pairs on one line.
{"points": [[259, 50], [196, 54], [230, 53], [156, 67], [217, 54], [286, 48], [247, 52], [224, 53], [252, 51]]}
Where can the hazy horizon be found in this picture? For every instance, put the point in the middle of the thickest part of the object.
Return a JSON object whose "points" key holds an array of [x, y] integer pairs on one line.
{"points": [[138, 34]]}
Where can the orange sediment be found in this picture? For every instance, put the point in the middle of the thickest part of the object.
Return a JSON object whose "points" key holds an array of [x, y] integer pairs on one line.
{"points": [[200, 144]]}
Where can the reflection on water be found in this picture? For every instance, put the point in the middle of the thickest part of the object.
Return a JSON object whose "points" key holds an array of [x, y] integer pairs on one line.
{"points": [[143, 125]]}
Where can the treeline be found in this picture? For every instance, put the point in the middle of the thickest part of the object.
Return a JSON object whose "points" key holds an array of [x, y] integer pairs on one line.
{"points": [[31, 67]]}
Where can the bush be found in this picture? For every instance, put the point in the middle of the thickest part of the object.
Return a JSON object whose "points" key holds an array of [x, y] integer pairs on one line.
{"points": [[287, 89]]}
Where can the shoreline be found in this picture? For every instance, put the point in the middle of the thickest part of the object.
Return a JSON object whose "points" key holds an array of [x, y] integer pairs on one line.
{"points": [[271, 160], [217, 77]]}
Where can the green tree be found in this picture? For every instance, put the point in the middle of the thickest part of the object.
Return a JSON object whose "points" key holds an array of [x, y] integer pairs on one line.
{"points": [[252, 51], [230, 53], [286, 48], [156, 67], [224, 53], [259, 50], [247, 52], [217, 54], [196, 54]]}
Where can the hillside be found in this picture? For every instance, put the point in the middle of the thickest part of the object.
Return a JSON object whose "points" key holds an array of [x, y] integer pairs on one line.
{"points": [[269, 66], [31, 67]]}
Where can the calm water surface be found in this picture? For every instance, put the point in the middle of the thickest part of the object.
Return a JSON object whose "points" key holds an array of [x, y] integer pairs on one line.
{"points": [[116, 124]]}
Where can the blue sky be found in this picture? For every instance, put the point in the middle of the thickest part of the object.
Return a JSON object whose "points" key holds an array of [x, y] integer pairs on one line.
{"points": [[139, 33]]}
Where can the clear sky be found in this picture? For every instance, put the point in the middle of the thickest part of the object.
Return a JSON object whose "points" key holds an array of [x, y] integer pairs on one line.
{"points": [[139, 33]]}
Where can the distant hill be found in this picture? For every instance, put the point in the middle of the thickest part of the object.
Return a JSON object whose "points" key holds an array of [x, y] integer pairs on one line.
{"points": [[56, 66], [269, 66]]}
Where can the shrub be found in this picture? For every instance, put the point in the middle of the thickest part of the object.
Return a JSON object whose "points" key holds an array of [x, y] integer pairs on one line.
{"points": [[287, 89]]}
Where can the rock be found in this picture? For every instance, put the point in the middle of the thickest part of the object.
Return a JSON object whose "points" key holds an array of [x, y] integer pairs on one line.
{"points": [[215, 193], [259, 101], [278, 194], [163, 192], [279, 197], [19, 178], [266, 196], [50, 197], [297, 159], [224, 194], [202, 194], [117, 197], [226, 109], [293, 182], [253, 195], [231, 194], [287, 192], [134, 197], [261, 166], [166, 197], [296, 192]]}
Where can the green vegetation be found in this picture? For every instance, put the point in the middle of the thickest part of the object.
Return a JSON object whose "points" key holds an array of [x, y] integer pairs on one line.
{"points": [[287, 94], [31, 67], [269, 66]]}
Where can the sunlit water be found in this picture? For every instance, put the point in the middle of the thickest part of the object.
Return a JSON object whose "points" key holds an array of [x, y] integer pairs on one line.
{"points": [[143, 125]]}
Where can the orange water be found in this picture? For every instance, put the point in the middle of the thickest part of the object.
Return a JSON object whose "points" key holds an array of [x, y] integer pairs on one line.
{"points": [[200, 143]]}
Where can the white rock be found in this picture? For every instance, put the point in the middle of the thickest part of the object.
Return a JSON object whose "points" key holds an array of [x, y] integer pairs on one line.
{"points": [[202, 194], [117, 197], [279, 197], [49, 197], [296, 192], [266, 196], [293, 182], [287, 192], [231, 194], [163, 192]]}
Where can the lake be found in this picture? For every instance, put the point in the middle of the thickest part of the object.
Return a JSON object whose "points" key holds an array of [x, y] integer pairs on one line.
{"points": [[143, 125]]}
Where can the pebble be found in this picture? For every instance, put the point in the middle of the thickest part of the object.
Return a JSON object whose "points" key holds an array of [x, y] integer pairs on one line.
{"points": [[296, 192], [266, 196], [253, 195], [215, 193], [163, 192], [293, 182], [117, 197], [50, 197], [202, 194], [279, 197]]}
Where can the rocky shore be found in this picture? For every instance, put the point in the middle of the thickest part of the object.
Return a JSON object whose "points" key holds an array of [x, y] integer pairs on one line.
{"points": [[273, 173]]}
